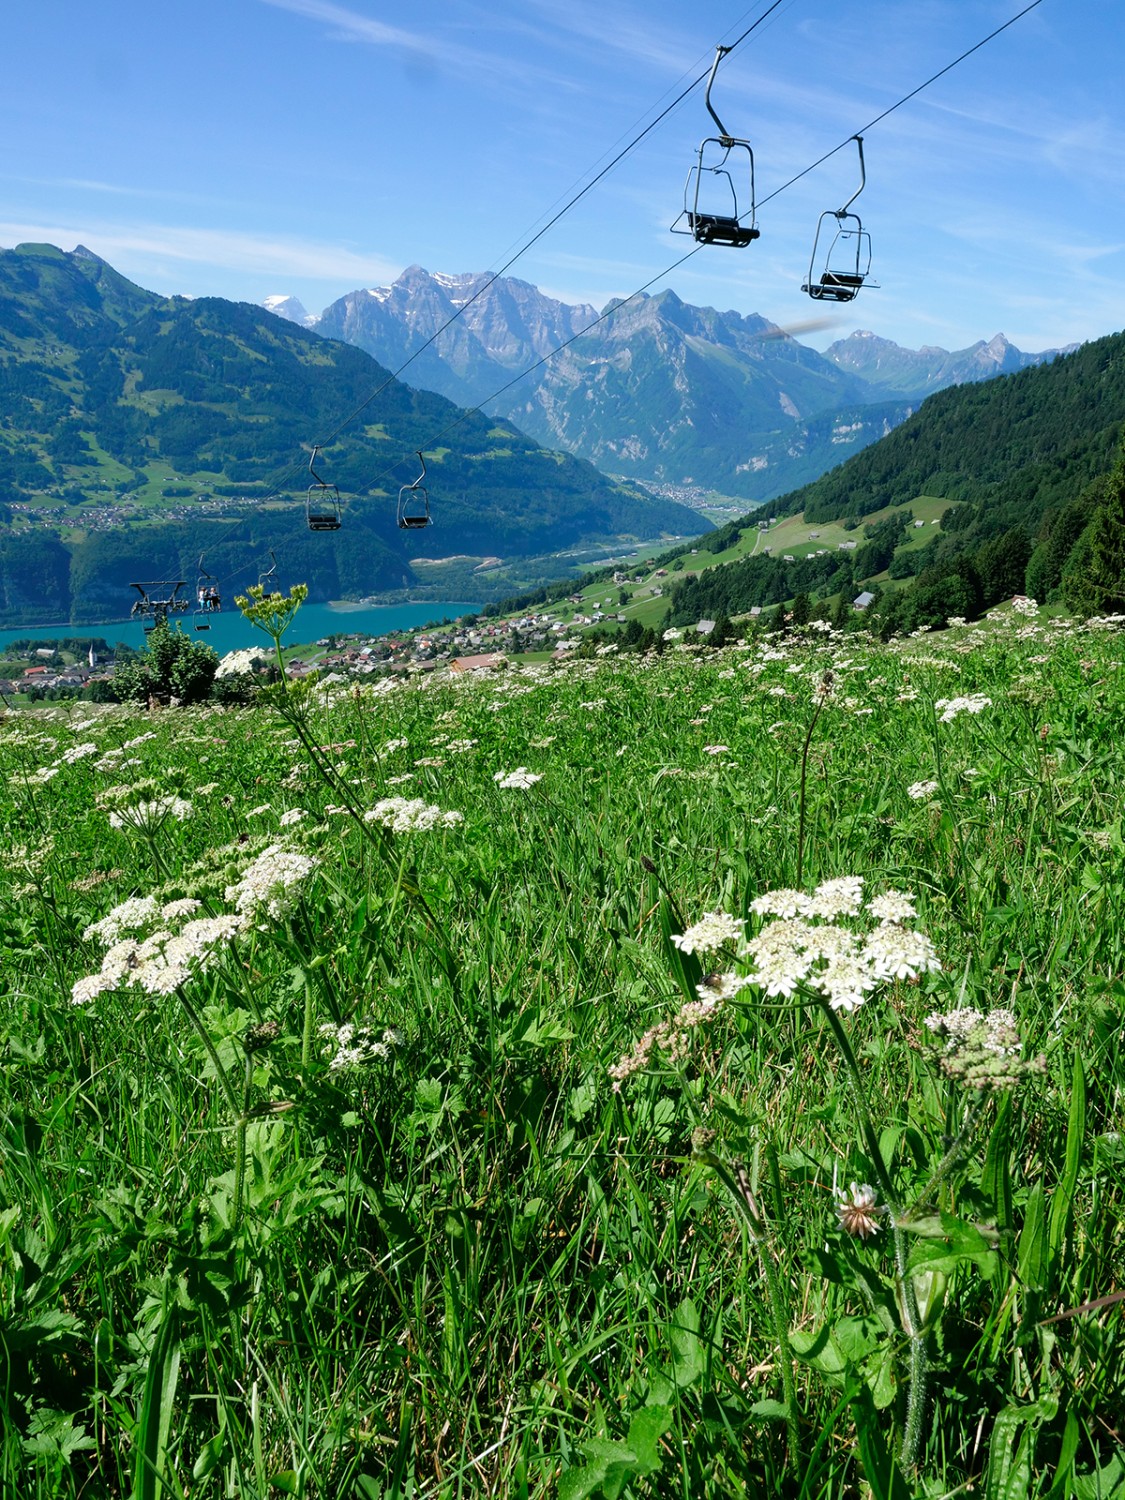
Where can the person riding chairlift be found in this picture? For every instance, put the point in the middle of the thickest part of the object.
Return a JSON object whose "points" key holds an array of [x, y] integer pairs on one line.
{"points": [[209, 598]]}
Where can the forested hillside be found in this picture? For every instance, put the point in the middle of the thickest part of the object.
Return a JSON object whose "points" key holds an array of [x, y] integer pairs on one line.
{"points": [[137, 431], [1028, 459]]}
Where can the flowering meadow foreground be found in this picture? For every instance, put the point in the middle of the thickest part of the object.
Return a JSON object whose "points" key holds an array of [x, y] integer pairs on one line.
{"points": [[695, 1075]]}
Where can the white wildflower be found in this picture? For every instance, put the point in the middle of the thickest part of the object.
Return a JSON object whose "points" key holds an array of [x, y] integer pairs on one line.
{"points": [[410, 815], [129, 916], [892, 906], [896, 952], [175, 910], [519, 780], [268, 887], [781, 903], [711, 932], [837, 898], [293, 815], [973, 703], [920, 789], [79, 752]]}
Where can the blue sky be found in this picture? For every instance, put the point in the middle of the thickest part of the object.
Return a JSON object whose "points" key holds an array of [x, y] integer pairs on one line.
{"points": [[240, 148]]}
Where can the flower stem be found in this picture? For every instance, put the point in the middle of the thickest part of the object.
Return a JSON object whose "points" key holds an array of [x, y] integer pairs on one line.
{"points": [[802, 805], [919, 1358], [904, 1282], [738, 1185]]}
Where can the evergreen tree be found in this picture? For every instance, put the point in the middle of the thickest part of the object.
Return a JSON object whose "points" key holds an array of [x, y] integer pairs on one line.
{"points": [[1094, 581], [802, 610]]}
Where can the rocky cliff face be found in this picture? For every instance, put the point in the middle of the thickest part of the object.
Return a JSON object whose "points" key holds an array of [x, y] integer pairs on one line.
{"points": [[660, 391], [664, 390], [504, 328]]}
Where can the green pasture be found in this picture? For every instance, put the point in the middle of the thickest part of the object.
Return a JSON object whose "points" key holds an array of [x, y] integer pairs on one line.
{"points": [[323, 1186]]}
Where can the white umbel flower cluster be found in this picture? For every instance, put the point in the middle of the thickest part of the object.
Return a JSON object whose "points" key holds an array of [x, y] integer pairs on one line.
{"points": [[709, 934], [147, 817], [129, 916], [160, 962], [830, 944], [951, 708], [269, 886], [410, 815], [519, 780], [356, 1044], [805, 947]]}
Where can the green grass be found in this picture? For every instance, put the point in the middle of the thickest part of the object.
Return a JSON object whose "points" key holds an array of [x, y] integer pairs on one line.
{"points": [[468, 1266]]}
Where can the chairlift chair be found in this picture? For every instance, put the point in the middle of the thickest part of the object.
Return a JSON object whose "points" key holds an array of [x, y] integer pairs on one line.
{"points": [[207, 600], [156, 601], [322, 505], [847, 262], [266, 578], [717, 220], [414, 502]]}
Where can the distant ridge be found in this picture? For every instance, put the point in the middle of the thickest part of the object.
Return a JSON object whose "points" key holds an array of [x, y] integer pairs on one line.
{"points": [[686, 398], [919, 372]]}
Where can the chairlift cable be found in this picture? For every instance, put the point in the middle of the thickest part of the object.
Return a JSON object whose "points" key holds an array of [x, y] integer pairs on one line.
{"points": [[293, 469], [435, 439], [538, 235], [906, 98]]}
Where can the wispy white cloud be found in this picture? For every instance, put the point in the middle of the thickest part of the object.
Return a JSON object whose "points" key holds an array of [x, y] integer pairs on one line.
{"points": [[431, 48], [229, 250], [350, 25]]}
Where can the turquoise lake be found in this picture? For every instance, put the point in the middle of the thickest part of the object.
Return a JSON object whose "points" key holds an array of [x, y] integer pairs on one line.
{"points": [[230, 632]]}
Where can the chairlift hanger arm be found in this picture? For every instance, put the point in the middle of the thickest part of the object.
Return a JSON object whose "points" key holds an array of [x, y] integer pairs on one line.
{"points": [[841, 212], [421, 476], [725, 137], [312, 460]]}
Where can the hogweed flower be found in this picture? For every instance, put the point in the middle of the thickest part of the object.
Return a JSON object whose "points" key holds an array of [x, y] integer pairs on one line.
{"points": [[268, 887], [806, 949], [982, 1051], [149, 817], [411, 815], [708, 934], [519, 780], [972, 703]]}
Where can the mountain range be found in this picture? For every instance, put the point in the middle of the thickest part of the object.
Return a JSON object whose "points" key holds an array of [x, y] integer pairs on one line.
{"points": [[658, 390], [139, 431]]}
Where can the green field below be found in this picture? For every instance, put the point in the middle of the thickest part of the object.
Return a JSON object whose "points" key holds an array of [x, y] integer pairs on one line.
{"points": [[687, 1075]]}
